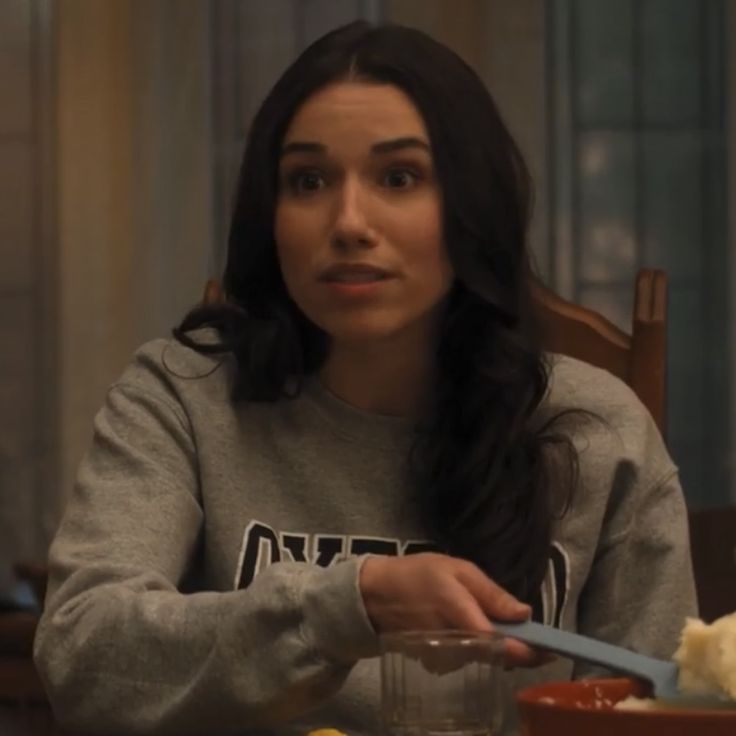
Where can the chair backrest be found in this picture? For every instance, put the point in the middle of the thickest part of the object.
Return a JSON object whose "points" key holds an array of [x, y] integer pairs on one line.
{"points": [[638, 358]]}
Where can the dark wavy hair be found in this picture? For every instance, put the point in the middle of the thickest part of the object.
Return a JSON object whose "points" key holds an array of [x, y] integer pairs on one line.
{"points": [[486, 476]]}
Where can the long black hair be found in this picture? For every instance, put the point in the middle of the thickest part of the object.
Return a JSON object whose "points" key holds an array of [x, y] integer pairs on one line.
{"points": [[489, 480]]}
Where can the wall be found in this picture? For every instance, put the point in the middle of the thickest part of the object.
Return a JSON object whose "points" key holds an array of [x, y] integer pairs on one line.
{"points": [[134, 188], [730, 33], [28, 367], [505, 43]]}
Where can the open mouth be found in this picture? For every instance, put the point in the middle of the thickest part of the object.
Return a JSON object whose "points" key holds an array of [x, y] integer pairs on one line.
{"points": [[356, 278]]}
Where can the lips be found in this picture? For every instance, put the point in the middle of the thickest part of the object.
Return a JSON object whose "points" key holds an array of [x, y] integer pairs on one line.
{"points": [[354, 273]]}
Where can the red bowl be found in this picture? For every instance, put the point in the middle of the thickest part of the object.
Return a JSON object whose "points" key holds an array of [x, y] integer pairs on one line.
{"points": [[586, 708]]}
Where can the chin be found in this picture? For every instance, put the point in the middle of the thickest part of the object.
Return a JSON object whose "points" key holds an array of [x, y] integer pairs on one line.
{"points": [[360, 332]]}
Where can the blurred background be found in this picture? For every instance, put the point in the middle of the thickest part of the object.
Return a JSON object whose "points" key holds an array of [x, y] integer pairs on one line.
{"points": [[121, 127]]}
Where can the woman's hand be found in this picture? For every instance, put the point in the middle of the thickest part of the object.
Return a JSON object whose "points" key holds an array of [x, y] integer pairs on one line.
{"points": [[433, 591]]}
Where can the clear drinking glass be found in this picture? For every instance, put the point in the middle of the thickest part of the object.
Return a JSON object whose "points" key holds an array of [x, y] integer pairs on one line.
{"points": [[441, 683]]}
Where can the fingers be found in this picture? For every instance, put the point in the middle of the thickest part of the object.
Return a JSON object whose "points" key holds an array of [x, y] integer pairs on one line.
{"points": [[495, 602], [433, 591], [518, 654], [463, 611], [418, 594]]}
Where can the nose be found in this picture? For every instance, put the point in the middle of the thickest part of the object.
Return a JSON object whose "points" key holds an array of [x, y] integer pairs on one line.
{"points": [[351, 227]]}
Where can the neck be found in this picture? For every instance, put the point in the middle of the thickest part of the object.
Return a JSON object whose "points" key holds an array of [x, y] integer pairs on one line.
{"points": [[381, 379]]}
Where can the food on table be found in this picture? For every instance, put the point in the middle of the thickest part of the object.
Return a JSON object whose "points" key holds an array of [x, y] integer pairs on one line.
{"points": [[707, 657], [707, 660], [631, 702]]}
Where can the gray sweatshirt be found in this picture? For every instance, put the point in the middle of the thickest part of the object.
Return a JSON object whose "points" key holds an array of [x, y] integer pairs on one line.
{"points": [[204, 578]]}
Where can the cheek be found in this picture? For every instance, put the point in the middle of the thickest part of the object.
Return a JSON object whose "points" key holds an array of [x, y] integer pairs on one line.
{"points": [[424, 236]]}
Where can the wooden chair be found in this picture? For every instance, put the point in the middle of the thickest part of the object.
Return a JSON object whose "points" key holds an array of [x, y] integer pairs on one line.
{"points": [[639, 358]]}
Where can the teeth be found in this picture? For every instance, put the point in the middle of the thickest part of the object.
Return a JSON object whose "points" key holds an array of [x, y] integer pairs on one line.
{"points": [[357, 278]]}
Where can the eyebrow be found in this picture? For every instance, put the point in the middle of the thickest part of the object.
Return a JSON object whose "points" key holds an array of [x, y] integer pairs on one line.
{"points": [[398, 144], [395, 144]]}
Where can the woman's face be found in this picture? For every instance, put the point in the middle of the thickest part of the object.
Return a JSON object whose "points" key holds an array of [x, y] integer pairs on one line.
{"points": [[359, 215]]}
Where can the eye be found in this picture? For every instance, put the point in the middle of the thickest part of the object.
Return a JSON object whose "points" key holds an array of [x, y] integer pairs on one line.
{"points": [[305, 181], [400, 178]]}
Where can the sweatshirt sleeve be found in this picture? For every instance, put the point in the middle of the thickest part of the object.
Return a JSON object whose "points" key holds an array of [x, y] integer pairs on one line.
{"points": [[641, 588], [122, 650]]}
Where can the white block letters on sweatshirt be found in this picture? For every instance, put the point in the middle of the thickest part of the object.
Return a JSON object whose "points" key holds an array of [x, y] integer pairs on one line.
{"points": [[263, 546]]}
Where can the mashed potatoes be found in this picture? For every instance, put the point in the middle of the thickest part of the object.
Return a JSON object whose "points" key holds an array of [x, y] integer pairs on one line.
{"points": [[707, 661], [633, 703], [707, 657]]}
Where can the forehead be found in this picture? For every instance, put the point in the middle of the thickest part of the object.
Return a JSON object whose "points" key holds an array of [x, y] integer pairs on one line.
{"points": [[360, 110]]}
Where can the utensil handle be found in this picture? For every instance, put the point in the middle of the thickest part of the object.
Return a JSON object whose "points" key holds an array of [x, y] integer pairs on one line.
{"points": [[584, 648]]}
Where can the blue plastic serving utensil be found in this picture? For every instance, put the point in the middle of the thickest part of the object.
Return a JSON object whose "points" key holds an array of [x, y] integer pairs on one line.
{"points": [[661, 674]]}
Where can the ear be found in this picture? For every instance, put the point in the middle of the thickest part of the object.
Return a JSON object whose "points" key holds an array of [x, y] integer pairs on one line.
{"points": [[213, 293]]}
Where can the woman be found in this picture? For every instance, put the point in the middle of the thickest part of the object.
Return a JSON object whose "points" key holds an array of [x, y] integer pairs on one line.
{"points": [[364, 437]]}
